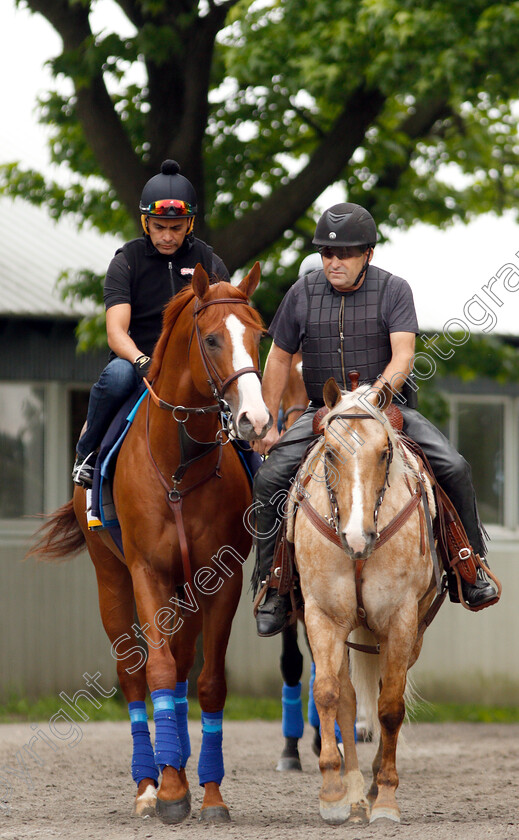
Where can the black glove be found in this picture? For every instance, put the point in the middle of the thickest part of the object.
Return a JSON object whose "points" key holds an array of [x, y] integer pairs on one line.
{"points": [[142, 365]]}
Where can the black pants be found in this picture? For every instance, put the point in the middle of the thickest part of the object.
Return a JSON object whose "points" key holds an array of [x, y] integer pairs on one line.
{"points": [[274, 478]]}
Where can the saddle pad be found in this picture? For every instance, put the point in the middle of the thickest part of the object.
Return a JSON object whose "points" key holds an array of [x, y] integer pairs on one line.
{"points": [[103, 506], [102, 500]]}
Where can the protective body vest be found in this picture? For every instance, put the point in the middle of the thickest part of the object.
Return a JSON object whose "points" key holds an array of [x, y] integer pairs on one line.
{"points": [[365, 344]]}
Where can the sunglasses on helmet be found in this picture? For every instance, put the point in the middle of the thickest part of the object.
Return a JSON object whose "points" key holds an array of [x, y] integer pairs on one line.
{"points": [[169, 207]]}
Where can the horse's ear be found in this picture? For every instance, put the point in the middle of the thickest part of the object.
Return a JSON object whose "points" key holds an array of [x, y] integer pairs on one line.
{"points": [[331, 393], [200, 281], [381, 398], [250, 282]]}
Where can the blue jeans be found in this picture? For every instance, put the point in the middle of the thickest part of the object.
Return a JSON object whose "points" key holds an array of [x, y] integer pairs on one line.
{"points": [[117, 381]]}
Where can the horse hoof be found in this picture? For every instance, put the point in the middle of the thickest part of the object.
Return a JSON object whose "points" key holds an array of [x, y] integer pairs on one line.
{"points": [[359, 814], [145, 803], [215, 815], [384, 814], [173, 811], [335, 813], [289, 762]]}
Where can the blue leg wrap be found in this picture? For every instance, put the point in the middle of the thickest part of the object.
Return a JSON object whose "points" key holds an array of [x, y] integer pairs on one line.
{"points": [[292, 723], [181, 706], [143, 762], [210, 763], [313, 714], [167, 742]]}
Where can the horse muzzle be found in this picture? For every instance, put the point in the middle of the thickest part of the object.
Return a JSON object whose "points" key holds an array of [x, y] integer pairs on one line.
{"points": [[360, 546], [249, 429]]}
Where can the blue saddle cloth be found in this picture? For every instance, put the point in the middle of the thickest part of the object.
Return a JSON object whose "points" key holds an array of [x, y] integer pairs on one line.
{"points": [[103, 506]]}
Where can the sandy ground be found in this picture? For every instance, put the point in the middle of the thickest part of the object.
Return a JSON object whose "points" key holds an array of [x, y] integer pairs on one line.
{"points": [[457, 781]]}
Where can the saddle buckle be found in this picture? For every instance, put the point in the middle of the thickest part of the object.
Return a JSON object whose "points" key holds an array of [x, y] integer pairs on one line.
{"points": [[464, 553]]}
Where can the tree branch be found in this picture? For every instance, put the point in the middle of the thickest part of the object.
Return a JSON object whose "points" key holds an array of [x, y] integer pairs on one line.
{"points": [[260, 228], [416, 125], [96, 113]]}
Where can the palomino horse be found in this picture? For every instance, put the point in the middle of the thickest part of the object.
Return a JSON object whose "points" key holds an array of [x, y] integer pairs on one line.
{"points": [[364, 562], [180, 495]]}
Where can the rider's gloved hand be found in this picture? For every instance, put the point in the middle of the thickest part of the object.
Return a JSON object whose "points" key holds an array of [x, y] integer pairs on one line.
{"points": [[142, 365]]}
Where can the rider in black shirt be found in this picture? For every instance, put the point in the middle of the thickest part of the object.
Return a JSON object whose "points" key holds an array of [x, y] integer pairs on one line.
{"points": [[141, 279]]}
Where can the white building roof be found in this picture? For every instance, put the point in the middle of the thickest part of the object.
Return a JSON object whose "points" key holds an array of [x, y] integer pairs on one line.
{"points": [[34, 250]]}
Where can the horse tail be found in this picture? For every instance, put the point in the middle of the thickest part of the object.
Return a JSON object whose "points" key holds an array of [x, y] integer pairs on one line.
{"points": [[60, 537], [365, 676]]}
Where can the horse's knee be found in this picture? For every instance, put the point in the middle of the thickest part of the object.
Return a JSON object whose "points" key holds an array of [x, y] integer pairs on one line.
{"points": [[326, 691], [161, 670], [391, 714], [211, 693]]}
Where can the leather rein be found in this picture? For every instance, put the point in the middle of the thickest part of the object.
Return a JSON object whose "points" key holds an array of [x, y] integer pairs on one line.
{"points": [[181, 414], [329, 528]]}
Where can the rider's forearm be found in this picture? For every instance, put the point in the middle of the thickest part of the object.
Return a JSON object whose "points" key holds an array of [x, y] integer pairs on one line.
{"points": [[275, 378], [123, 346]]}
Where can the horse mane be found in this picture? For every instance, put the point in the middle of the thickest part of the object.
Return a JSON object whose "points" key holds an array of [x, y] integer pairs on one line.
{"points": [[212, 316]]}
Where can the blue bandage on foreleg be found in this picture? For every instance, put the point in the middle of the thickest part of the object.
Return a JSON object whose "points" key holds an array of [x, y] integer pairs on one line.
{"points": [[210, 763], [167, 742], [292, 723], [313, 715], [143, 761], [181, 707]]}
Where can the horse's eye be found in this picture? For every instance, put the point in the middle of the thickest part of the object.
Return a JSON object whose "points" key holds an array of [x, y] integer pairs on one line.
{"points": [[383, 456], [211, 341], [331, 456]]}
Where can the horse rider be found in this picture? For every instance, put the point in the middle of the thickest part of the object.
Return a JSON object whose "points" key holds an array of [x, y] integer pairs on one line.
{"points": [[349, 315], [141, 278]]}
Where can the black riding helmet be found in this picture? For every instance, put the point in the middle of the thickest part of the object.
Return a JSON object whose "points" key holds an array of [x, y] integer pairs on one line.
{"points": [[345, 224], [168, 195]]}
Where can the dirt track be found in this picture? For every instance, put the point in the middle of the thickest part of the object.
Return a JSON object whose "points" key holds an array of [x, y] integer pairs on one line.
{"points": [[457, 782]]}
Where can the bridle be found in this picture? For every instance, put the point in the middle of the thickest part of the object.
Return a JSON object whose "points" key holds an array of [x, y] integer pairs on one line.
{"points": [[218, 385], [334, 506]]}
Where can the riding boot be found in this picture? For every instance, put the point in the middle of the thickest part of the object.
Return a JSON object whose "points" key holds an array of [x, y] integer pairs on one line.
{"points": [[272, 616], [476, 594]]}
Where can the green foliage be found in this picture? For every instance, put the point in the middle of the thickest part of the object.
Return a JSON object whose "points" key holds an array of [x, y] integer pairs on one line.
{"points": [[247, 95], [486, 356]]}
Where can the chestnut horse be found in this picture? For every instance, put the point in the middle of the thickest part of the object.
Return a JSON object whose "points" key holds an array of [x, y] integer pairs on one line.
{"points": [[180, 495], [357, 573]]}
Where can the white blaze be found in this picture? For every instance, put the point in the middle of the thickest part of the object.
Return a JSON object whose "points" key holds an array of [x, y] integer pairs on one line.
{"points": [[249, 385], [354, 531]]}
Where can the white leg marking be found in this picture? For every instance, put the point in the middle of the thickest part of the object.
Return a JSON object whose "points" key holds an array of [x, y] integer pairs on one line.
{"points": [[145, 803]]}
